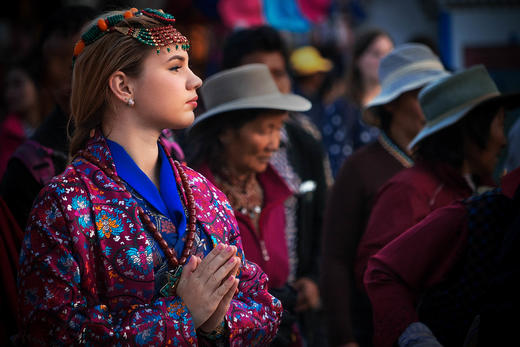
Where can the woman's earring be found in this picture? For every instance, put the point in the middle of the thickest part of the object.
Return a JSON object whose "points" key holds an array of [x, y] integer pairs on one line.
{"points": [[130, 102]]}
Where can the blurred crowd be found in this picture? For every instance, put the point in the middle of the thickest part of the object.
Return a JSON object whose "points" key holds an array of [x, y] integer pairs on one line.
{"points": [[369, 197]]}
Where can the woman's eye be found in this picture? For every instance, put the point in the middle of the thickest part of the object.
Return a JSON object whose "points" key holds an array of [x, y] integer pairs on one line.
{"points": [[175, 68]]}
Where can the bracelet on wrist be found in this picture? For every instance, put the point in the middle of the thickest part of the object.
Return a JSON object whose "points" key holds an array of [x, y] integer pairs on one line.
{"points": [[218, 333]]}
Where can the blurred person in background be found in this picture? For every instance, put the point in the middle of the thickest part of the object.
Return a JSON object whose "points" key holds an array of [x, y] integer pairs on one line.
{"points": [[452, 279], [513, 150], [342, 126], [10, 242], [396, 111], [303, 165], [44, 154], [232, 144], [455, 156], [23, 111], [310, 70]]}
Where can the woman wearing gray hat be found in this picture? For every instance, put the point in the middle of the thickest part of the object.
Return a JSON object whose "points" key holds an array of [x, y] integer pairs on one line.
{"points": [[231, 144], [396, 111], [456, 153]]}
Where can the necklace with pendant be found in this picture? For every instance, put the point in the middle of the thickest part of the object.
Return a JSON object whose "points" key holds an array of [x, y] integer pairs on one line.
{"points": [[174, 274], [245, 196]]}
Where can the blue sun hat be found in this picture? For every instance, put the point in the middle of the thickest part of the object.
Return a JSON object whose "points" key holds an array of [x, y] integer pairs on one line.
{"points": [[449, 99], [409, 66]]}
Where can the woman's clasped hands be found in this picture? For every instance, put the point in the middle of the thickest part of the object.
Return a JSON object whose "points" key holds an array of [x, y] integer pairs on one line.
{"points": [[207, 286]]}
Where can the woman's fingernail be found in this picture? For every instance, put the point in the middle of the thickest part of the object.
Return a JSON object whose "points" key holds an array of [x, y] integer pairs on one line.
{"points": [[231, 278], [220, 246], [231, 260]]}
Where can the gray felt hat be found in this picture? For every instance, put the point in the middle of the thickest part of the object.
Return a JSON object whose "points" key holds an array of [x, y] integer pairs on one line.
{"points": [[248, 86], [449, 99]]}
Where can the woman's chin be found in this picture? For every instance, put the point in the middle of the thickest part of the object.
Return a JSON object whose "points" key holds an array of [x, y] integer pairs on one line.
{"points": [[183, 122], [261, 167]]}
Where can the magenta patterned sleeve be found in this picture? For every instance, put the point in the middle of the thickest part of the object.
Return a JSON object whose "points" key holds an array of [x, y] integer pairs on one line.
{"points": [[60, 302]]}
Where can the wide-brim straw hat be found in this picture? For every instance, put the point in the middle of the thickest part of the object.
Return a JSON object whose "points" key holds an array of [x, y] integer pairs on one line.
{"points": [[407, 67], [448, 100], [248, 86]]}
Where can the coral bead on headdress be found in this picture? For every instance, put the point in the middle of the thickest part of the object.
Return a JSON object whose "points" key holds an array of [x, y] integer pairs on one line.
{"points": [[157, 37]]}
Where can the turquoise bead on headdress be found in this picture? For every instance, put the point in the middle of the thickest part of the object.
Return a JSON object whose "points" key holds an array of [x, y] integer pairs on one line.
{"points": [[113, 20], [159, 15], [156, 36]]}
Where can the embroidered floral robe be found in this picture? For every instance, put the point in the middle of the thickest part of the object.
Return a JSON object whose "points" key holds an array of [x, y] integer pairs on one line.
{"points": [[80, 281]]}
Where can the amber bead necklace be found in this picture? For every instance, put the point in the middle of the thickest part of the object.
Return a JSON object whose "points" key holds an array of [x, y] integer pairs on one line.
{"points": [[171, 255]]}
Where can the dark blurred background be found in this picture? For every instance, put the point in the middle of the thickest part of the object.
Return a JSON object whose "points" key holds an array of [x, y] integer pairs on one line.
{"points": [[462, 32]]}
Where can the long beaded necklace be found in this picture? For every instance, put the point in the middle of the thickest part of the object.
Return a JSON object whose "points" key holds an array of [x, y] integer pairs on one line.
{"points": [[173, 275]]}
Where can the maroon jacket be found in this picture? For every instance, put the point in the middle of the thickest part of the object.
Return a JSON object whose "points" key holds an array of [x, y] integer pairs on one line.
{"points": [[268, 247], [346, 215], [403, 202], [10, 242], [420, 258]]}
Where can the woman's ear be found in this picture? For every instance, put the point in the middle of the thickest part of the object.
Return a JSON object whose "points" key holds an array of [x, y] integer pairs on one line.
{"points": [[121, 85]]}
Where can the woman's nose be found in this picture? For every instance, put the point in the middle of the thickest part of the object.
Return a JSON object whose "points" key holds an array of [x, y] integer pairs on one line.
{"points": [[274, 141], [194, 82]]}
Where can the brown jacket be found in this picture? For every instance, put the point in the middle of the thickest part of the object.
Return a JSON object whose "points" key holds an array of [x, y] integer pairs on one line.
{"points": [[347, 212]]}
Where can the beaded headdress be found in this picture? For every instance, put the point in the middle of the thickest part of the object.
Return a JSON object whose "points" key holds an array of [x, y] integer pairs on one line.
{"points": [[157, 37]]}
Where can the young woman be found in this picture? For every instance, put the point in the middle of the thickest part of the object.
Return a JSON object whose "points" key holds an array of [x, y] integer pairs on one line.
{"points": [[343, 128], [232, 144], [127, 246]]}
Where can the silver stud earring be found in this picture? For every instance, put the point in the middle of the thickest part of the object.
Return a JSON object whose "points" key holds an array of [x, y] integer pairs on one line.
{"points": [[130, 102]]}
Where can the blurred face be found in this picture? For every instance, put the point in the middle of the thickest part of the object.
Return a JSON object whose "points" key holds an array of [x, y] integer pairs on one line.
{"points": [[165, 91], [57, 53], [276, 64], [249, 149], [483, 161], [368, 62], [407, 115], [20, 92]]}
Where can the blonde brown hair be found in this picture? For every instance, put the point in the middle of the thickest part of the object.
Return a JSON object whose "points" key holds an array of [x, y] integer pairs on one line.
{"points": [[355, 87], [91, 94]]}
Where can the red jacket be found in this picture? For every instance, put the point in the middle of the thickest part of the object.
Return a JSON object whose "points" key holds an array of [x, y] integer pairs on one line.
{"points": [[404, 201], [268, 247], [420, 258]]}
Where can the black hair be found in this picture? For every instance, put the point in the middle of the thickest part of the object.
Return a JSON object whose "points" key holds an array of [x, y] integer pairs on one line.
{"points": [[448, 145], [203, 140], [244, 42], [384, 116]]}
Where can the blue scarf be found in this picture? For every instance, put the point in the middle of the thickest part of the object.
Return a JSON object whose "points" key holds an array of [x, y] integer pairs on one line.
{"points": [[166, 200]]}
